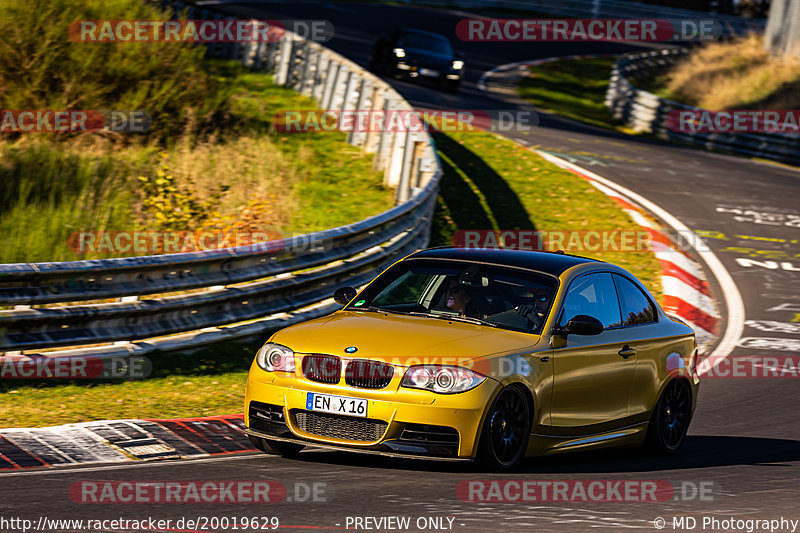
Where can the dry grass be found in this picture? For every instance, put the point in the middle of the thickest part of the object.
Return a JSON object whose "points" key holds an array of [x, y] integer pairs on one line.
{"points": [[256, 172], [738, 74]]}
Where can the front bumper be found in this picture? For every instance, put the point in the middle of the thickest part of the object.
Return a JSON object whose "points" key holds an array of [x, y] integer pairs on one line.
{"points": [[402, 422], [414, 72]]}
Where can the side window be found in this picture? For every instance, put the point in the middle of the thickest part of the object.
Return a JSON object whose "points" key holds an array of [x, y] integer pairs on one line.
{"points": [[636, 307], [593, 295]]}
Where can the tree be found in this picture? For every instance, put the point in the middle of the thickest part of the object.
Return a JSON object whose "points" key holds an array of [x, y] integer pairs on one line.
{"points": [[782, 36]]}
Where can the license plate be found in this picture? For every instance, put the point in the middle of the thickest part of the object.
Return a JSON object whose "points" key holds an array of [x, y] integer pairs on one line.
{"points": [[428, 72], [340, 405]]}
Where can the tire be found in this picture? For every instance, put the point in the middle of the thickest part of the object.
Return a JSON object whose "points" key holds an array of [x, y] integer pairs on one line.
{"points": [[275, 447], [670, 420], [506, 430]]}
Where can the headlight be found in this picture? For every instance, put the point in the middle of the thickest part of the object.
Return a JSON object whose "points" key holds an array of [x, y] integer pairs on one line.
{"points": [[399, 52], [441, 379], [458, 65], [272, 357]]}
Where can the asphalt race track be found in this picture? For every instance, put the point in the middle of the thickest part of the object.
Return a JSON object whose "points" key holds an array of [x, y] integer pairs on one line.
{"points": [[744, 439]]}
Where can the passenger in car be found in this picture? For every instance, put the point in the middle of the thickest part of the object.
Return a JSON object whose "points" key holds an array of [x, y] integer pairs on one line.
{"points": [[466, 301]]}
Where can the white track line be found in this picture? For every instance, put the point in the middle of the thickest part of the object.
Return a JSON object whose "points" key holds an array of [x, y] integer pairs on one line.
{"points": [[734, 325]]}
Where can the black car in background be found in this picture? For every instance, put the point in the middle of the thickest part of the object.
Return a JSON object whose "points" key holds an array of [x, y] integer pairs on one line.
{"points": [[418, 55]]}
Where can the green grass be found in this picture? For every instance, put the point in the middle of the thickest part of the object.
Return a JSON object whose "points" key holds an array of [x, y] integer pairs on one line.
{"points": [[209, 381], [172, 397], [574, 88]]}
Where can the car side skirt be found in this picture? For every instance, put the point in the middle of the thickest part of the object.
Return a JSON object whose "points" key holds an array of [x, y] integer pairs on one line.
{"points": [[547, 444]]}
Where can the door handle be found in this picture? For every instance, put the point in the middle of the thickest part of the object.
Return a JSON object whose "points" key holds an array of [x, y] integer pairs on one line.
{"points": [[627, 351]]}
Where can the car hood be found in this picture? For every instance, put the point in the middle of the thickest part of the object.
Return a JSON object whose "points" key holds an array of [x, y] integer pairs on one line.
{"points": [[402, 339]]}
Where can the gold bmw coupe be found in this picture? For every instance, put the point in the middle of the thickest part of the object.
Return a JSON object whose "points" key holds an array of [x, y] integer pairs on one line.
{"points": [[478, 354]]}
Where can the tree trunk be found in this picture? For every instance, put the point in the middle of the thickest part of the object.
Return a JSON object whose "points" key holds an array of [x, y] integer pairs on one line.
{"points": [[782, 36]]}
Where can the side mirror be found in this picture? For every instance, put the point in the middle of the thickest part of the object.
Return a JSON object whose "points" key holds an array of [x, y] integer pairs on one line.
{"points": [[343, 295], [584, 325]]}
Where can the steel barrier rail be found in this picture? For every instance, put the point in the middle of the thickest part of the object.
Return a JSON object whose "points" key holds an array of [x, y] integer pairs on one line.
{"points": [[40, 328], [645, 112], [276, 283], [38, 283]]}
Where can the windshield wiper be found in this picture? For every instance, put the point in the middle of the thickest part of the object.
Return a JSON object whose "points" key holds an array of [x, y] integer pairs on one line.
{"points": [[457, 318], [374, 309], [468, 320]]}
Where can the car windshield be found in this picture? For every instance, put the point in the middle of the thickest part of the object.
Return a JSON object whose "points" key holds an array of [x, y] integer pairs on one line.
{"points": [[487, 295], [422, 41]]}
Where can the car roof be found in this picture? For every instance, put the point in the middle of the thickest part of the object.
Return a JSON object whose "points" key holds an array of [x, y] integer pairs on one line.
{"points": [[548, 262]]}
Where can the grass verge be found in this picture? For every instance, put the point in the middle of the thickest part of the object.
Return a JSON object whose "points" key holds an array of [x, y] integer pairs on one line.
{"points": [[572, 88]]}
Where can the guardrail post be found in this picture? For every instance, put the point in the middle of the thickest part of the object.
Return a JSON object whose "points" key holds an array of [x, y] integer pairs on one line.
{"points": [[416, 170], [258, 52], [271, 51], [351, 93], [372, 138], [284, 58], [358, 137], [330, 83], [307, 76], [403, 192], [394, 164], [320, 76], [428, 166], [340, 88], [296, 64], [384, 138]]}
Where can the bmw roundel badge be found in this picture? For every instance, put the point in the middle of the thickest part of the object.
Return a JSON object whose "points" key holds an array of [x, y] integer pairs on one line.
{"points": [[350, 349]]}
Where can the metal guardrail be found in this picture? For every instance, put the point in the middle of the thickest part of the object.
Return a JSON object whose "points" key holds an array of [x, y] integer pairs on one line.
{"points": [[645, 112], [729, 24], [244, 290]]}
